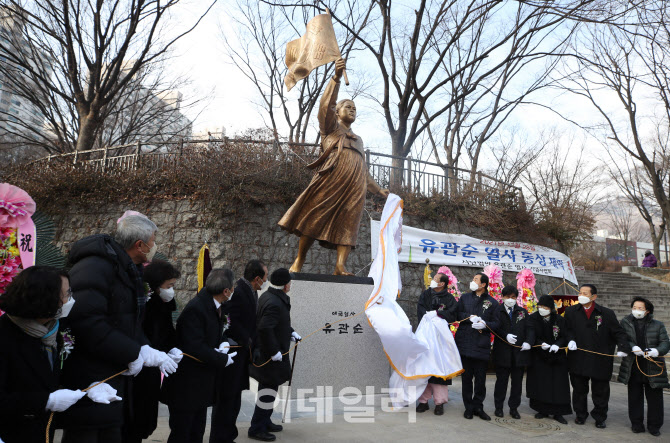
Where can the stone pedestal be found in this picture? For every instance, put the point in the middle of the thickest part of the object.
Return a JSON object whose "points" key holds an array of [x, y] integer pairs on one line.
{"points": [[345, 354]]}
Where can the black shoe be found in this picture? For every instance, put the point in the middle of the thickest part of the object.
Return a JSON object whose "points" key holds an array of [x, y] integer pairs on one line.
{"points": [[439, 410], [468, 414], [514, 414], [560, 419], [274, 428], [498, 413], [262, 436], [481, 414], [638, 429], [655, 432], [540, 415], [422, 407], [580, 421], [601, 425]]}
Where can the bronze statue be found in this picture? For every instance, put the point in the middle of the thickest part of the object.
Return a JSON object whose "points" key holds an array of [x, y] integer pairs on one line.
{"points": [[330, 209]]}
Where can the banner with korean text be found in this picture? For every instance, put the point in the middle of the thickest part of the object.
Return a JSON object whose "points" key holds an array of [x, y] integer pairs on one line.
{"points": [[462, 250]]}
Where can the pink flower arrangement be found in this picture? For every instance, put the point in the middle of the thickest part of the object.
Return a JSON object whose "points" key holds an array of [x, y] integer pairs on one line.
{"points": [[16, 206], [495, 274], [526, 285]]}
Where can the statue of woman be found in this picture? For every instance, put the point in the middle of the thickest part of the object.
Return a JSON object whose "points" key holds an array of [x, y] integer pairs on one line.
{"points": [[330, 209]]}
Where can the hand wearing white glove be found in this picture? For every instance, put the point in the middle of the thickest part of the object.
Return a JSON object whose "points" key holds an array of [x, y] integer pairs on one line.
{"points": [[653, 352], [134, 367], [176, 355], [62, 399], [152, 357], [511, 338], [230, 358], [525, 347], [168, 366], [479, 325], [621, 354], [553, 348], [102, 393], [637, 351], [295, 336], [572, 346], [475, 319], [277, 356], [545, 346], [224, 347]]}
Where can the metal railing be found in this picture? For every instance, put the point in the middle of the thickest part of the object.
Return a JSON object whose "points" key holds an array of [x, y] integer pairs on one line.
{"points": [[411, 175]]}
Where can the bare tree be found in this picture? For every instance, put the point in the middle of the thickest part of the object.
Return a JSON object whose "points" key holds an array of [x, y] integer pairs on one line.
{"points": [[73, 60]]}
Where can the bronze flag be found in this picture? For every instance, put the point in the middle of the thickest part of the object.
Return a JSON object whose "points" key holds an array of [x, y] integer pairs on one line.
{"points": [[316, 47]]}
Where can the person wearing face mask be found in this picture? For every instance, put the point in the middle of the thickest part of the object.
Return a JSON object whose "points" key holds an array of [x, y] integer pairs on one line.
{"points": [[473, 339], [37, 303], [106, 320], [647, 337], [594, 328], [160, 276], [510, 361], [547, 382], [273, 341], [201, 333], [235, 378], [436, 298]]}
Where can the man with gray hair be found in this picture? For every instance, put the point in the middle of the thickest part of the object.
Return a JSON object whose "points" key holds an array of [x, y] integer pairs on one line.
{"points": [[201, 333], [106, 322]]}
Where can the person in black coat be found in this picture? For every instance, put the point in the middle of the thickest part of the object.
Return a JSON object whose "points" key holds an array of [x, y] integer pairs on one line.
{"points": [[473, 339], [510, 360], [160, 276], [241, 310], [594, 328], [547, 383], [106, 278], [271, 366], [31, 352], [436, 298], [201, 334]]}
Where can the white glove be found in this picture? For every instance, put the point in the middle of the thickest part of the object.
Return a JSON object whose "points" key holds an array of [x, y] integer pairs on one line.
{"points": [[479, 325], [62, 399], [102, 393], [572, 346], [152, 357], [134, 367], [621, 354], [475, 319], [168, 366], [230, 358], [545, 346], [553, 348], [295, 336], [277, 356], [176, 355], [511, 338], [653, 352], [224, 347], [637, 351]]}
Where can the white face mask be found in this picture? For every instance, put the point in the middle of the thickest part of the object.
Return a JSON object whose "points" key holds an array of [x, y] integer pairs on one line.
{"points": [[473, 286], [510, 302], [152, 252], [66, 308], [166, 294], [544, 311], [584, 299], [265, 286], [433, 284], [638, 314]]}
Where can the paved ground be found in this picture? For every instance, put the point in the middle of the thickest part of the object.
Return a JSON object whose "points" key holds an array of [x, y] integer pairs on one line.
{"points": [[396, 426]]}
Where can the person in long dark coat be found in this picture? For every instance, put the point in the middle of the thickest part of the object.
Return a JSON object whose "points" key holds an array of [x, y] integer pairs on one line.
{"points": [[241, 311], [509, 360], [473, 339], [648, 337], [436, 298], [594, 328], [271, 366], [160, 276], [547, 382], [200, 334], [32, 347]]}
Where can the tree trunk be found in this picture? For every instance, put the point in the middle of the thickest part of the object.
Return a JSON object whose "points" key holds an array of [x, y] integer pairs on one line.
{"points": [[87, 132]]}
